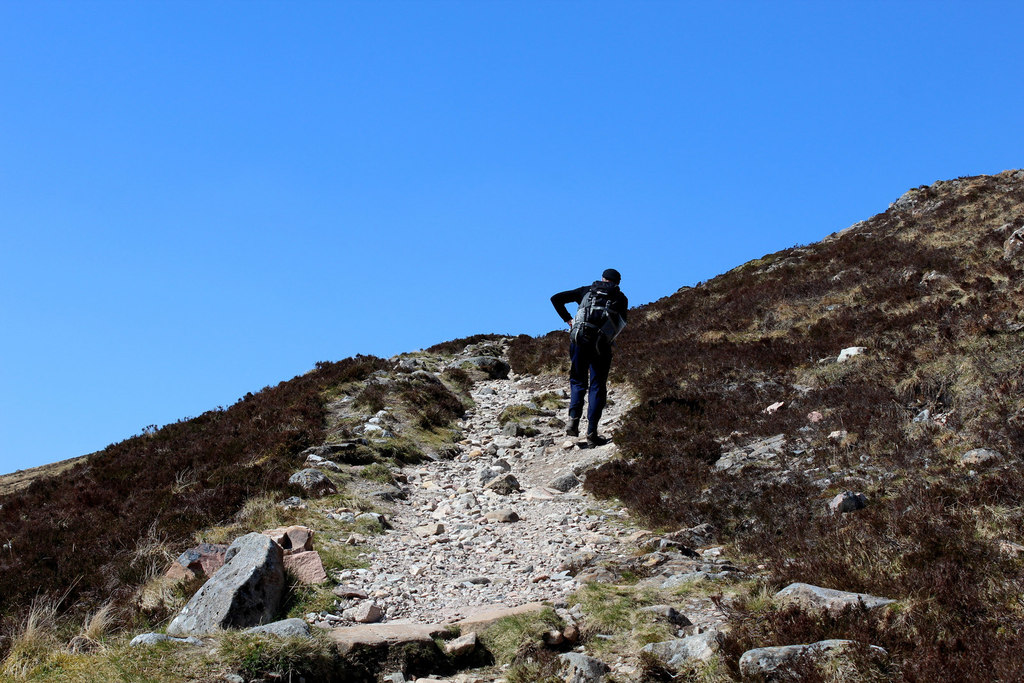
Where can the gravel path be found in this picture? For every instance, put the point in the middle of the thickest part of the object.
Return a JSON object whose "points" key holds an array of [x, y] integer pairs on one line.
{"points": [[447, 551]]}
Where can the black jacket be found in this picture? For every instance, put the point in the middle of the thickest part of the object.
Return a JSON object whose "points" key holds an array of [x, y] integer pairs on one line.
{"points": [[619, 301]]}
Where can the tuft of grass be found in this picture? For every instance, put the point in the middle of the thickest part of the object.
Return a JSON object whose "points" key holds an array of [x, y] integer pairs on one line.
{"points": [[255, 656], [513, 637], [378, 472], [517, 413], [613, 611], [35, 641], [338, 556], [549, 400], [99, 623]]}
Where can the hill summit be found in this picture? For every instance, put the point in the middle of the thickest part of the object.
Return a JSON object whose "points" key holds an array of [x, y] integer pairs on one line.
{"points": [[825, 444]]}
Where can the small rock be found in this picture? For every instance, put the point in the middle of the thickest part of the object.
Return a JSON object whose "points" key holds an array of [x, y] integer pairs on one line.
{"points": [[149, 639], [1010, 548], [505, 485], [429, 530], [773, 408], [849, 352], [286, 628], [505, 516], [343, 591], [553, 638], [293, 503], [462, 645], [677, 654], [313, 481], [364, 613], [306, 566], [579, 668], [374, 519], [667, 613], [815, 416], [980, 456], [564, 483], [848, 501], [292, 538]]}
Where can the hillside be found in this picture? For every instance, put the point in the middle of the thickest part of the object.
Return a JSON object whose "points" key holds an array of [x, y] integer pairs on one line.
{"points": [[736, 416], [931, 290]]}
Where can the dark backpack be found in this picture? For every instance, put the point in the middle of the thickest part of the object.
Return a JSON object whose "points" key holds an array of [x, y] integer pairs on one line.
{"points": [[596, 321]]}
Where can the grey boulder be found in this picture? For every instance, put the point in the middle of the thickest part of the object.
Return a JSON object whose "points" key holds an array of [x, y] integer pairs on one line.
{"points": [[564, 483], [504, 485], [806, 595], [764, 663], [847, 501], [579, 668], [980, 456], [286, 628], [677, 654], [313, 481], [150, 639], [245, 592]]}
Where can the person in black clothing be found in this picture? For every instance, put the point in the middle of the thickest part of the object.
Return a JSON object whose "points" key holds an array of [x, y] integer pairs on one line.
{"points": [[591, 354]]}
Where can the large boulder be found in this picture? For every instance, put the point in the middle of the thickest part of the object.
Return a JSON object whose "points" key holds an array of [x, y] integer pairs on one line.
{"points": [[245, 592]]}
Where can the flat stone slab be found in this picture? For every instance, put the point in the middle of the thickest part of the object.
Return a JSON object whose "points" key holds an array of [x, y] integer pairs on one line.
{"points": [[349, 638], [480, 618], [806, 595]]}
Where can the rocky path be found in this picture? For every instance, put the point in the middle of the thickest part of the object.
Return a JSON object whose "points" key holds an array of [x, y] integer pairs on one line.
{"points": [[456, 544]]}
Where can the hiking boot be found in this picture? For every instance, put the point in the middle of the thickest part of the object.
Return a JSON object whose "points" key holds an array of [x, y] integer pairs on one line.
{"points": [[573, 428], [594, 440]]}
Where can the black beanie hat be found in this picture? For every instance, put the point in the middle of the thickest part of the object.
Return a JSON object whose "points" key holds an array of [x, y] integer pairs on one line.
{"points": [[612, 275]]}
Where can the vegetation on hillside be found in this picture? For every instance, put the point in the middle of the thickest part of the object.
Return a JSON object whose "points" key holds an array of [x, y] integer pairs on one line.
{"points": [[95, 533], [926, 289]]}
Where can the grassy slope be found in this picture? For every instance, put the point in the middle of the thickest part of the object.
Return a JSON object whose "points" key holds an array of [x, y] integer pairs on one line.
{"points": [[924, 286]]}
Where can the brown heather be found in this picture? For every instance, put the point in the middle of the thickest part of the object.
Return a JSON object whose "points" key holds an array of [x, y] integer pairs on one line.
{"points": [[924, 286], [77, 534]]}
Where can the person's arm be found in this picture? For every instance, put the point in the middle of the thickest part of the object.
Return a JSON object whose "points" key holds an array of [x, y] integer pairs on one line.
{"points": [[570, 296], [624, 311]]}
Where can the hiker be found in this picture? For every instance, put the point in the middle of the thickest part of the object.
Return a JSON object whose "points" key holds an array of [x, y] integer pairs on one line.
{"points": [[599, 319]]}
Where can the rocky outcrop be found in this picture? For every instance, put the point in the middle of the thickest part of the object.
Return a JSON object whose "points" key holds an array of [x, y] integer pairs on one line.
{"points": [[246, 591]]}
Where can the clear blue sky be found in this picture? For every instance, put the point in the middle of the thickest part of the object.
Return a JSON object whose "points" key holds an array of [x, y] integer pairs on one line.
{"points": [[199, 199]]}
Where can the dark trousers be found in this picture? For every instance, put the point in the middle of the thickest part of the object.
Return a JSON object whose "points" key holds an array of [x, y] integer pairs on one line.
{"points": [[590, 366]]}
